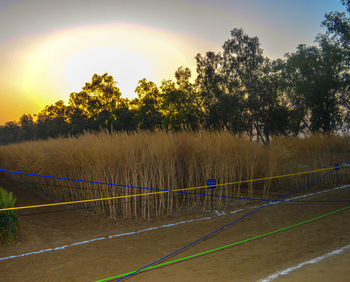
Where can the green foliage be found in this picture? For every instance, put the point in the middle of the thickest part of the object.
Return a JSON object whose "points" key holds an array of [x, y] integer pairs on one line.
{"points": [[237, 90], [313, 77], [92, 108], [9, 226], [180, 102], [338, 25], [147, 105]]}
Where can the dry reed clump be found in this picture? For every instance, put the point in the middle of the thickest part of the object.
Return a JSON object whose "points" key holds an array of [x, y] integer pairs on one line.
{"points": [[169, 161]]}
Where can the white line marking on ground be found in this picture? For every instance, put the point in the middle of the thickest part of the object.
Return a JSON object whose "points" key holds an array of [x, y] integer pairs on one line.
{"points": [[218, 213], [312, 261]]}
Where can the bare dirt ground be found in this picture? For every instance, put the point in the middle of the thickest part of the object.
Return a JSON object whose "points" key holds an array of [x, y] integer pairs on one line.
{"points": [[335, 268], [52, 227]]}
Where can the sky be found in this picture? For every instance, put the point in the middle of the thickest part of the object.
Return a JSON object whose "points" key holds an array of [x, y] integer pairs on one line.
{"points": [[50, 48]]}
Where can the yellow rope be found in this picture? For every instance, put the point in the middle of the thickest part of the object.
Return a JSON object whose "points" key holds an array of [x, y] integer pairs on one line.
{"points": [[81, 201], [258, 179], [176, 190]]}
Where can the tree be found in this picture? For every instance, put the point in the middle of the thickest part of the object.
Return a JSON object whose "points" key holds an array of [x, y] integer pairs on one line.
{"points": [[249, 78], [338, 34], [53, 121], [10, 132], [103, 92], [125, 117], [148, 114], [268, 111], [92, 108], [243, 60], [27, 127], [180, 102], [338, 25], [209, 82], [238, 90], [313, 75]]}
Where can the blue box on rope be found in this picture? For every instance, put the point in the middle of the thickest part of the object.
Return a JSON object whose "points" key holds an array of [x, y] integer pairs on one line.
{"points": [[211, 183]]}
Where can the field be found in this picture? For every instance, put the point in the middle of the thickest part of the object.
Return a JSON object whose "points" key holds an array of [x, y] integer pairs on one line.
{"points": [[171, 220], [169, 161]]}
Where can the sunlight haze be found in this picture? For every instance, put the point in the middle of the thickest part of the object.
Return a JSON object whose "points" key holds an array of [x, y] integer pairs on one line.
{"points": [[49, 49]]}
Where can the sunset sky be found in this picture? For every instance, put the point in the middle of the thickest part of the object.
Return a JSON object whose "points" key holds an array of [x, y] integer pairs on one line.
{"points": [[51, 48]]}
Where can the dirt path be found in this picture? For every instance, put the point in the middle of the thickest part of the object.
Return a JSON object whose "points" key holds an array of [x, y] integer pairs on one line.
{"points": [[335, 268], [57, 226]]}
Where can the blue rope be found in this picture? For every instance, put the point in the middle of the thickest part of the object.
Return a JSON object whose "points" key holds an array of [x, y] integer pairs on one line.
{"points": [[227, 225], [137, 187], [157, 189], [130, 186], [229, 197]]}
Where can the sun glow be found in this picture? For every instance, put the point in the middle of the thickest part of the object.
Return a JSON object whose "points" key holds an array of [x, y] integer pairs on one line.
{"points": [[126, 67], [48, 67], [127, 52]]}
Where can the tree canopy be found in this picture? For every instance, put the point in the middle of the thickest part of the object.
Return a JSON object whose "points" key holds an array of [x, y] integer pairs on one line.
{"points": [[237, 89]]}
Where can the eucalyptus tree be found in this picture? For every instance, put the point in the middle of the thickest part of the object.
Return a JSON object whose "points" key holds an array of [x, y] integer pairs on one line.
{"points": [[10, 132], [147, 105], [249, 78], [27, 127], [338, 35], [180, 102], [338, 25], [93, 107], [314, 77], [53, 121]]}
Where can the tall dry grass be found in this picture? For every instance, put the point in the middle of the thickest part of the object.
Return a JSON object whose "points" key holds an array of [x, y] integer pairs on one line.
{"points": [[169, 161]]}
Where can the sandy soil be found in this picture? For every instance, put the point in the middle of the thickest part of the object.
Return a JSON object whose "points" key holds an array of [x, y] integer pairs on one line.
{"points": [[335, 268], [56, 226]]}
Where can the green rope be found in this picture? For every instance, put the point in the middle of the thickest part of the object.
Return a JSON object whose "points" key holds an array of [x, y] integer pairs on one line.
{"points": [[230, 245]]}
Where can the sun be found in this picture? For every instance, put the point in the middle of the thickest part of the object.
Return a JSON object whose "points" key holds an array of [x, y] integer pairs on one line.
{"points": [[52, 65], [125, 66]]}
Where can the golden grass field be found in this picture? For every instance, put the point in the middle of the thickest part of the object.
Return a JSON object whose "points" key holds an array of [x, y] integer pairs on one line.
{"points": [[169, 161]]}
